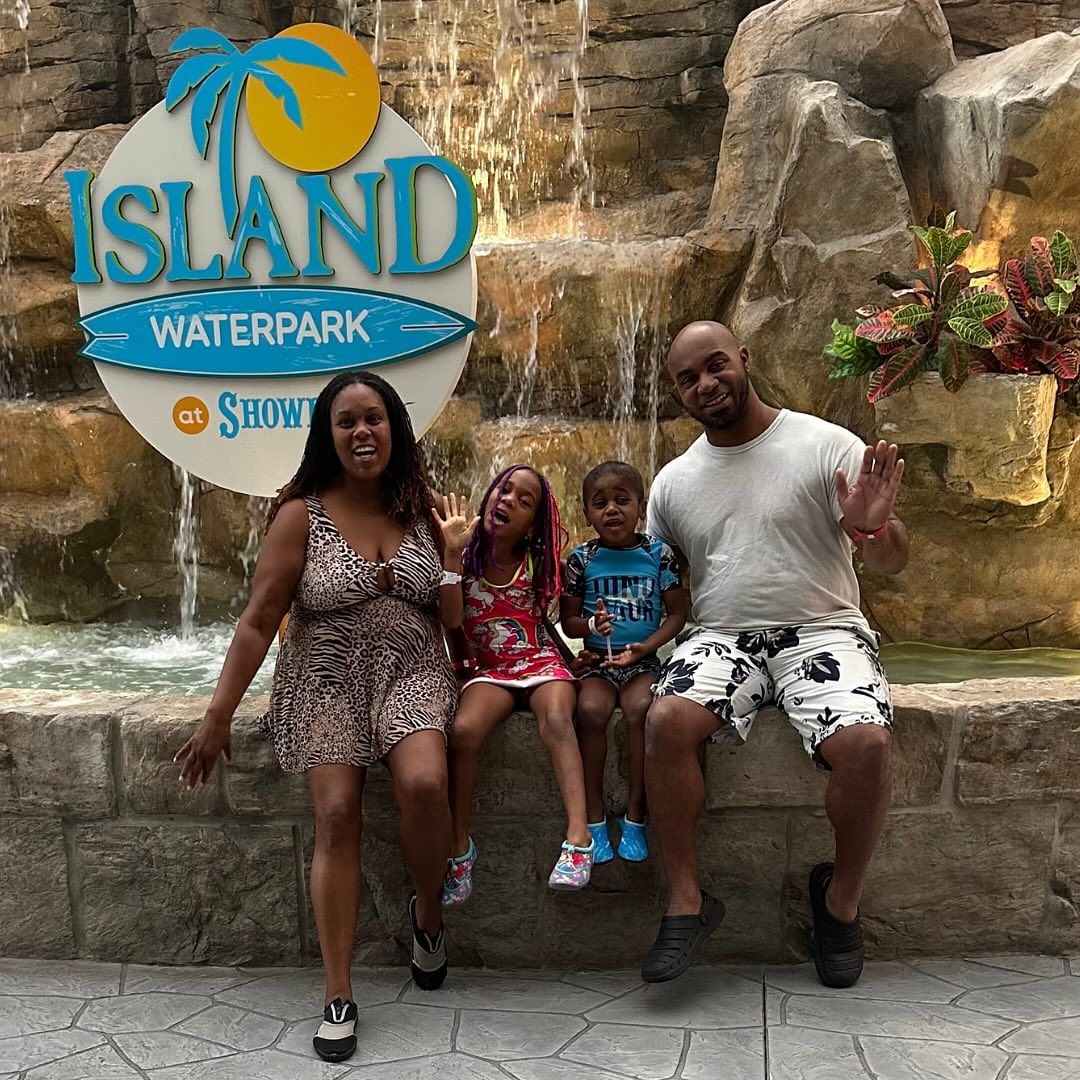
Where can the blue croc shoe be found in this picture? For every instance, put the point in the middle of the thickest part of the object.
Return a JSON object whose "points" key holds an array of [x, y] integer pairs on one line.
{"points": [[601, 843], [633, 847]]}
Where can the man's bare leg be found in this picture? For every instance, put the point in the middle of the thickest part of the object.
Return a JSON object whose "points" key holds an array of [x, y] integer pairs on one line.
{"points": [[675, 728], [858, 795]]}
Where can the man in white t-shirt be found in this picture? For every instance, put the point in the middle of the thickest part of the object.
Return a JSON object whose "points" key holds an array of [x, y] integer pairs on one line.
{"points": [[766, 508]]}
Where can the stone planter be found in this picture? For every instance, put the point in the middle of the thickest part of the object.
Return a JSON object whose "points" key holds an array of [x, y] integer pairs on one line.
{"points": [[995, 430]]}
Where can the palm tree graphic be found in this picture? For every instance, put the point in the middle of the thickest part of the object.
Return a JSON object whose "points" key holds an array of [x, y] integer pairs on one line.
{"points": [[222, 70]]}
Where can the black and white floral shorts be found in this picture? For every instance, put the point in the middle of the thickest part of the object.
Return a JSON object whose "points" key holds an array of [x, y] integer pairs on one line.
{"points": [[824, 678]]}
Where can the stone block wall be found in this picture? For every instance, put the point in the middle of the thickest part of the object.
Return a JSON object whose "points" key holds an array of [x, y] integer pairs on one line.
{"points": [[104, 856]]}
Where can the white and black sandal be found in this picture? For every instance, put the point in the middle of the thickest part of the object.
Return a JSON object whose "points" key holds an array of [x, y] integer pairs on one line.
{"points": [[428, 953], [336, 1038]]}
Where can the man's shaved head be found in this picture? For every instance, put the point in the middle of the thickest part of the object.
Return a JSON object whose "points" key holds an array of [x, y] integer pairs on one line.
{"points": [[708, 366], [702, 336]]}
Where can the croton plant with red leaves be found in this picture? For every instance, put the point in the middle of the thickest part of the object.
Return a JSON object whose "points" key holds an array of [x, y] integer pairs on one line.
{"points": [[940, 324], [945, 323], [1041, 333]]}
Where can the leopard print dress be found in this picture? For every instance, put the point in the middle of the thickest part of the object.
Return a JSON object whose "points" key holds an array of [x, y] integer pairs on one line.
{"points": [[360, 666]]}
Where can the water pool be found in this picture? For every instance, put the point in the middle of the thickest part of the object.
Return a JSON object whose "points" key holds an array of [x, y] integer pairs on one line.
{"points": [[127, 659], [132, 659], [912, 662]]}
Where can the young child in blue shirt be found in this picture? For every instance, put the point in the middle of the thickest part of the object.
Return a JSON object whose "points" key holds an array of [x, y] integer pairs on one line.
{"points": [[623, 594]]}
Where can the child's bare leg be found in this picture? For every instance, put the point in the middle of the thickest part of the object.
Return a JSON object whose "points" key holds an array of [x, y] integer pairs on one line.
{"points": [[634, 700], [482, 708], [595, 704], [553, 704]]}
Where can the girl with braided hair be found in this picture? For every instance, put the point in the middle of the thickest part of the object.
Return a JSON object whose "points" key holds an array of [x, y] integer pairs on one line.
{"points": [[511, 578]]}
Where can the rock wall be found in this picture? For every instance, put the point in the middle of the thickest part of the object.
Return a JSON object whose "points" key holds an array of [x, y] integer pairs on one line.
{"points": [[983, 26], [505, 86], [843, 122], [106, 858]]}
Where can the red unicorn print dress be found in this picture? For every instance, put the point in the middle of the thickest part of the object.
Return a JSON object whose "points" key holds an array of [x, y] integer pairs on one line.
{"points": [[511, 644]]}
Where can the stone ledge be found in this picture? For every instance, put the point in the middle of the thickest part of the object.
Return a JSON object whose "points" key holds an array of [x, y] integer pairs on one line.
{"points": [[1020, 750], [55, 753], [106, 857]]}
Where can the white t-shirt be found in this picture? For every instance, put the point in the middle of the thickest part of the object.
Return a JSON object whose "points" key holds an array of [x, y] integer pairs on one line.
{"points": [[759, 525]]}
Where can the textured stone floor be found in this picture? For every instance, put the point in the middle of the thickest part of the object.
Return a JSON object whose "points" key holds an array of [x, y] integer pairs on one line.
{"points": [[991, 1018]]}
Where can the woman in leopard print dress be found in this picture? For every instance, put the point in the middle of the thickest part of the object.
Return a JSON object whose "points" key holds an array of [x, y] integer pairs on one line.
{"points": [[357, 554]]}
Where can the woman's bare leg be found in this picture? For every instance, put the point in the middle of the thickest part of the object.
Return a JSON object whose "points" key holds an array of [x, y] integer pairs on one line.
{"points": [[336, 792], [418, 766]]}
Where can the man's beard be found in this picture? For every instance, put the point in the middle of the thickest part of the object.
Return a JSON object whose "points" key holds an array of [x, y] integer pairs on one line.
{"points": [[740, 396]]}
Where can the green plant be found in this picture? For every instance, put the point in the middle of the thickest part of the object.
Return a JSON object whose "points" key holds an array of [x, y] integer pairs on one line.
{"points": [[1042, 333], [942, 325]]}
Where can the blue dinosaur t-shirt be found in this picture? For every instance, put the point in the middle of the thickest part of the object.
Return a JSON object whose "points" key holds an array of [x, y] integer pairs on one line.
{"points": [[629, 581]]}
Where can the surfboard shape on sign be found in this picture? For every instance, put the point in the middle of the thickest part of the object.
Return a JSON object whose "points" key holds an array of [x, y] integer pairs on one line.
{"points": [[268, 330]]}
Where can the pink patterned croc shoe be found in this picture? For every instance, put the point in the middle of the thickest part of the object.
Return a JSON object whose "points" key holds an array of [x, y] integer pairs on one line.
{"points": [[457, 885], [573, 867]]}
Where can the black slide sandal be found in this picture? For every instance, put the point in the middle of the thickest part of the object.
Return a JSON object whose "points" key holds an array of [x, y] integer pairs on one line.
{"points": [[837, 947], [678, 938]]}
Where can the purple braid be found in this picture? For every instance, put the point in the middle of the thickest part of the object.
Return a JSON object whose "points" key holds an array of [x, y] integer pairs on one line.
{"points": [[546, 541]]}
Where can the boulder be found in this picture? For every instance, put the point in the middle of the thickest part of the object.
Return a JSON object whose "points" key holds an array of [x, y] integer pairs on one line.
{"points": [[635, 116], [808, 169], [241, 21], [41, 308], [449, 445], [819, 242], [995, 431], [565, 450], [100, 61], [35, 196], [978, 586], [76, 445], [68, 70], [986, 140], [882, 52], [35, 458], [87, 513]]}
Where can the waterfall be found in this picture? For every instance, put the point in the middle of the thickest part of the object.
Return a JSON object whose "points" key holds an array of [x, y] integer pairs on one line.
{"points": [[186, 549], [641, 325], [506, 126]]}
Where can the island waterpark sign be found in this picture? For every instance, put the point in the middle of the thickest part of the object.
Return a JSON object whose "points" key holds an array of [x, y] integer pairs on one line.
{"points": [[268, 224]]}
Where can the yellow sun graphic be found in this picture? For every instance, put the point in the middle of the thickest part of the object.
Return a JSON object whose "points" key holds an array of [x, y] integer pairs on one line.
{"points": [[339, 111]]}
